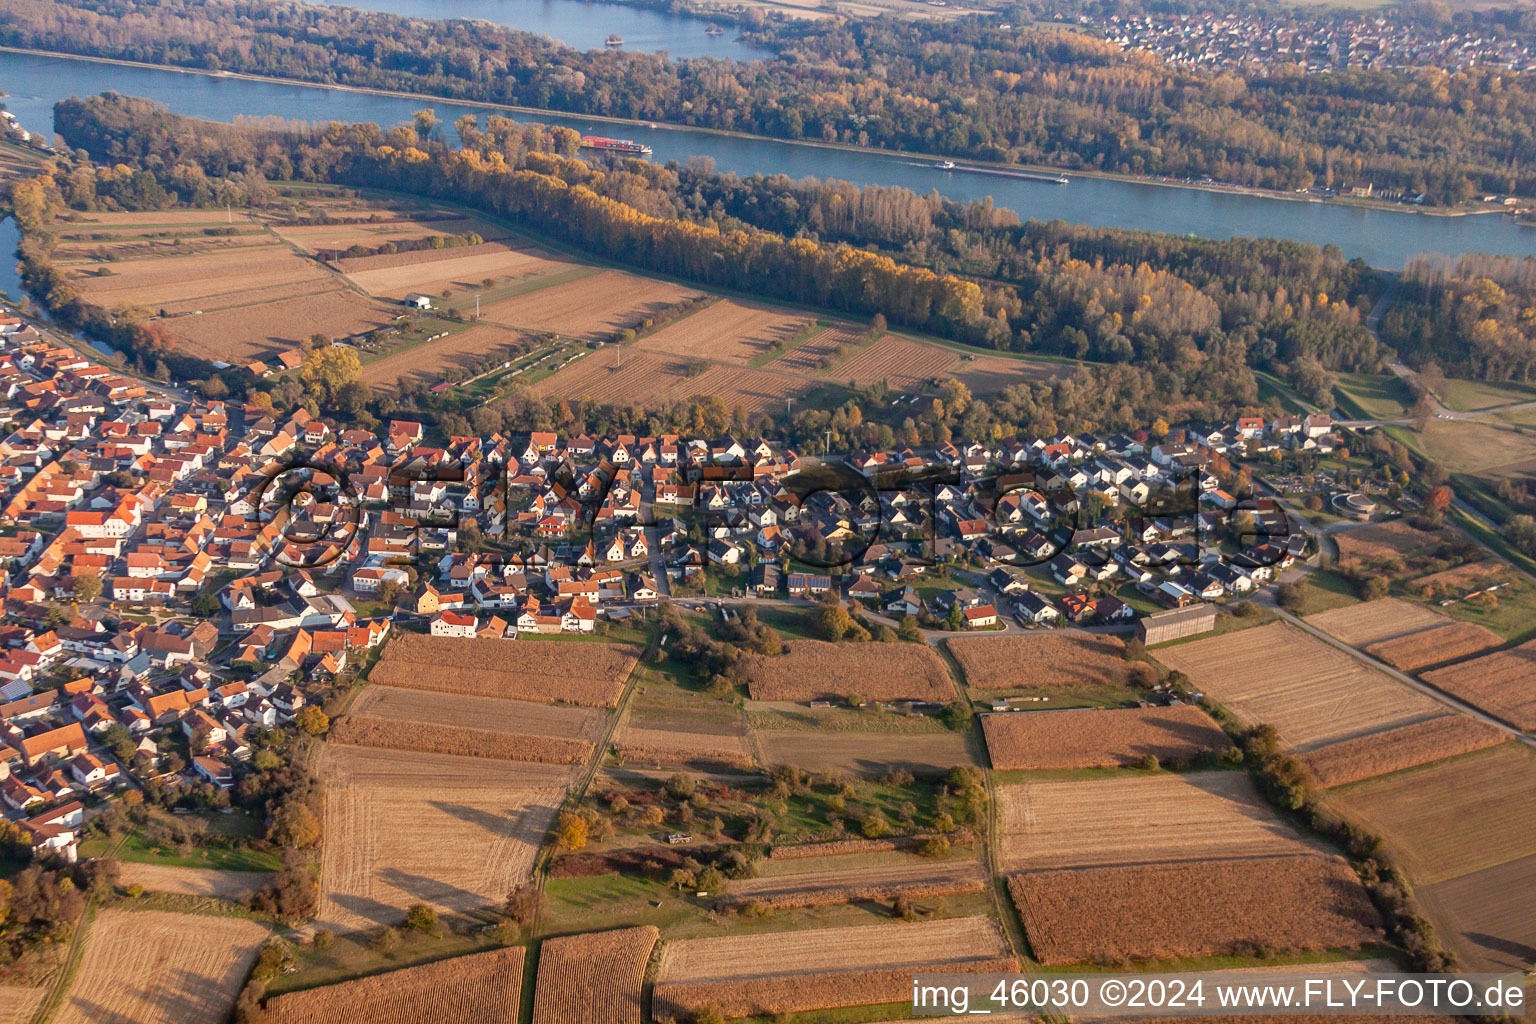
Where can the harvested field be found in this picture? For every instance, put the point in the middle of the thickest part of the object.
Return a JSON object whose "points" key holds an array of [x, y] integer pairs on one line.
{"points": [[1502, 683], [17, 1004], [728, 331], [1450, 642], [855, 847], [1138, 819], [1451, 818], [808, 355], [988, 375], [592, 308], [370, 233], [586, 674], [1193, 909], [152, 967], [1379, 540], [866, 754], [168, 282], [647, 378], [819, 888], [1026, 662], [429, 271], [904, 365], [153, 218], [1311, 692], [669, 746], [1487, 917], [1098, 737], [826, 968], [815, 669], [1366, 757], [594, 978], [520, 718], [481, 988], [1371, 622], [429, 362], [395, 734], [405, 828], [245, 333], [227, 885], [1463, 577]]}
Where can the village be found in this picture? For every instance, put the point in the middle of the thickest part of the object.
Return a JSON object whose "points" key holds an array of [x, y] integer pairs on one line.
{"points": [[181, 572]]}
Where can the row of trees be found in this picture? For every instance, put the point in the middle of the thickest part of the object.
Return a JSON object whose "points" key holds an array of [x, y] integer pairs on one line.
{"points": [[963, 87]]}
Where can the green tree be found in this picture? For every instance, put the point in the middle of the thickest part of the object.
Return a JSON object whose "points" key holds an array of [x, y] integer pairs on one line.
{"points": [[87, 588]]}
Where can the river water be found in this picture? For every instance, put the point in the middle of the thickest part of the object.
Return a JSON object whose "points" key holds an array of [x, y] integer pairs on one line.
{"points": [[1384, 238], [586, 26]]}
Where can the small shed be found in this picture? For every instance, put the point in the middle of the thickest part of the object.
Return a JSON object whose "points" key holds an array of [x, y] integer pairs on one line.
{"points": [[418, 301]]}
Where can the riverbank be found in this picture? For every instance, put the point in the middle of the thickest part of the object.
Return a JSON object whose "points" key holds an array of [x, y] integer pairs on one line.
{"points": [[809, 144]]}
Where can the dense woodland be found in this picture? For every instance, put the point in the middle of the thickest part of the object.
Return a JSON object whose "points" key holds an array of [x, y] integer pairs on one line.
{"points": [[1474, 316], [963, 87], [1174, 326]]}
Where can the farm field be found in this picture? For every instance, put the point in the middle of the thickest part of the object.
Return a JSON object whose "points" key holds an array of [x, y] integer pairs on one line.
{"points": [[1099, 738], [677, 746], [652, 378], [1409, 746], [1502, 683], [205, 281], [405, 828], [823, 885], [988, 375], [1136, 819], [1193, 909], [373, 233], [585, 674], [1027, 662], [592, 308], [152, 967], [1312, 693], [400, 734], [482, 988], [807, 357], [1488, 917], [228, 885], [866, 754], [18, 1004], [595, 978], [492, 714], [429, 361], [245, 333], [728, 331], [1378, 540], [1449, 642], [1451, 818], [1470, 576], [788, 972], [903, 364], [1372, 622], [815, 669], [429, 271]]}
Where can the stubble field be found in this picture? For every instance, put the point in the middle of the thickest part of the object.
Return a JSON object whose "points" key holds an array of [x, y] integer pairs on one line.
{"points": [[1026, 662], [866, 754], [1502, 684], [1488, 917], [1312, 693], [815, 669], [1137, 819], [228, 885], [822, 887], [429, 271], [827, 968], [594, 978], [807, 357], [1371, 622], [1449, 642], [1378, 540], [681, 746], [470, 712], [405, 828], [648, 378], [988, 375], [904, 365], [428, 362], [592, 308], [244, 333], [585, 674], [481, 988], [727, 331], [1452, 818], [152, 967], [1195, 909], [1099, 737]]}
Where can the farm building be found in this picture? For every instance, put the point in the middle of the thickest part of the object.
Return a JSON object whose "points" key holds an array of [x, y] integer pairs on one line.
{"points": [[1180, 622], [418, 300]]}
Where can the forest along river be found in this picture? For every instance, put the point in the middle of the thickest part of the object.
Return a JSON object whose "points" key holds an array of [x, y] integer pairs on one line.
{"points": [[1384, 238], [586, 26]]}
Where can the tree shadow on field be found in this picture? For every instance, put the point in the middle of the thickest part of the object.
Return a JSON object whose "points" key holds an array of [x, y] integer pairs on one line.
{"points": [[368, 909], [430, 890], [488, 820], [1523, 954]]}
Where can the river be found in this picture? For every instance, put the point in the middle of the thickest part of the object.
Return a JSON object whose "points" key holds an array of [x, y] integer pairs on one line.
{"points": [[586, 26], [1384, 238]]}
